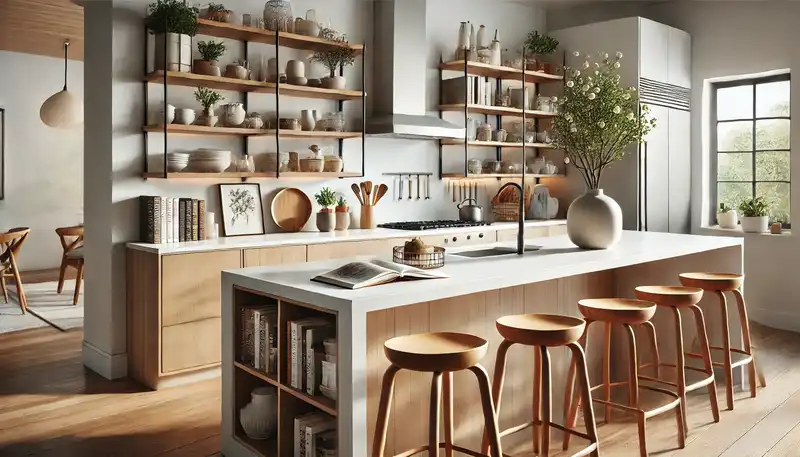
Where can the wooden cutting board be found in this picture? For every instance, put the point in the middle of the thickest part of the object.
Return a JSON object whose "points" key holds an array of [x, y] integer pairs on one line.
{"points": [[291, 209]]}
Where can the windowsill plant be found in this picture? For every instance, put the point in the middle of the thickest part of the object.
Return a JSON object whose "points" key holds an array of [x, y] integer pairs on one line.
{"points": [[727, 217], [755, 215]]}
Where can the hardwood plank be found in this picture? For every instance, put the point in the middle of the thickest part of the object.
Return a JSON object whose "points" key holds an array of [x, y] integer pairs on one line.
{"points": [[286, 39], [769, 431], [40, 27]]}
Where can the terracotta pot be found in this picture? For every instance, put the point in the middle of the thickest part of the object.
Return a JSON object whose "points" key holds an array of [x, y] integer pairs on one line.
{"points": [[206, 67], [208, 121], [336, 82]]}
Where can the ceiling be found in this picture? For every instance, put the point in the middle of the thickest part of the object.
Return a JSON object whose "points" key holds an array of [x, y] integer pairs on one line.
{"points": [[41, 26]]}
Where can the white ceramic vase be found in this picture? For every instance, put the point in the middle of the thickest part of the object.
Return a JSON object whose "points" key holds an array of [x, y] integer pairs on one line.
{"points": [[234, 114], [729, 220], [342, 221], [259, 418], [483, 42], [594, 220], [179, 52], [307, 121], [295, 69], [463, 37], [755, 224]]}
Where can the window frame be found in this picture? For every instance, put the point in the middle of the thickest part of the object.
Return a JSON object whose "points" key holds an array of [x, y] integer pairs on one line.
{"points": [[715, 122]]}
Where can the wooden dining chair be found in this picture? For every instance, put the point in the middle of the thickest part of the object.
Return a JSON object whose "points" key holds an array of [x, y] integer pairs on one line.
{"points": [[10, 246], [72, 243]]}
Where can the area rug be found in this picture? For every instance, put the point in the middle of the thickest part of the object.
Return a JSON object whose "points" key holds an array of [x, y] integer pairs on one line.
{"points": [[12, 319], [54, 309]]}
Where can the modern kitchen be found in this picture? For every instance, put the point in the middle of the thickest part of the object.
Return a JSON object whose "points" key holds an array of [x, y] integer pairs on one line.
{"points": [[344, 214]]}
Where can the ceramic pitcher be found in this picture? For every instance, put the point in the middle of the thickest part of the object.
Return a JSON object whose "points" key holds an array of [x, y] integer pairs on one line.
{"points": [[234, 114]]}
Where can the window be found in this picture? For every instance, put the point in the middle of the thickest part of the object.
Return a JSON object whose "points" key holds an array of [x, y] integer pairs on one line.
{"points": [[752, 142]]}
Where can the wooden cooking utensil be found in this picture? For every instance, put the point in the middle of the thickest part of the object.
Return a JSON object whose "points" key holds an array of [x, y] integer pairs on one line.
{"points": [[291, 209], [357, 191], [369, 191], [382, 189], [364, 193]]}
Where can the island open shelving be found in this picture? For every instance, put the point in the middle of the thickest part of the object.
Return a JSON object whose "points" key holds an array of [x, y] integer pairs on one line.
{"points": [[279, 89]]}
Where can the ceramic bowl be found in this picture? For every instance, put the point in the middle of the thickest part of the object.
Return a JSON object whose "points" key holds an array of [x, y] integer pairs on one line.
{"points": [[298, 81], [185, 116]]}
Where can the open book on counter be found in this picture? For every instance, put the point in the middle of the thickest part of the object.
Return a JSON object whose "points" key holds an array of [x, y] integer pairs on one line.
{"points": [[356, 275]]}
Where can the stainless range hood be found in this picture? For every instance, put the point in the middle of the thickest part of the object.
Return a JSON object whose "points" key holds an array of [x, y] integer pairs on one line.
{"points": [[399, 54]]}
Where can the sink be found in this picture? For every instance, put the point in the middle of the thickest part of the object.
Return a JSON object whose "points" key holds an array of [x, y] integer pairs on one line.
{"points": [[492, 252]]}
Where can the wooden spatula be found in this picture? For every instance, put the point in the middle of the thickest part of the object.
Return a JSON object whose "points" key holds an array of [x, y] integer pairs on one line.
{"points": [[368, 198], [382, 189], [357, 191]]}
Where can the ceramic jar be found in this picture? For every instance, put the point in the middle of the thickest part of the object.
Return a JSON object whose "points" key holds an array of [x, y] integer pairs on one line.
{"points": [[342, 221], [728, 220], [463, 41], [482, 40], [184, 116], [333, 164], [295, 69], [259, 418], [326, 221], [235, 71], [307, 121], [278, 15], [594, 220], [233, 114], [206, 67], [170, 115], [208, 119], [334, 82]]}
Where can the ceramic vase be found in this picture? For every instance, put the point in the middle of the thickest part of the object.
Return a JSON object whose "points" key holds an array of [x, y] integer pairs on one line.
{"points": [[170, 115], [295, 69], [335, 82], [307, 121], [206, 67], [497, 54], [259, 418], [233, 114], [208, 119], [594, 221], [728, 220], [342, 221], [482, 41], [179, 52], [463, 39], [326, 222], [755, 224]]}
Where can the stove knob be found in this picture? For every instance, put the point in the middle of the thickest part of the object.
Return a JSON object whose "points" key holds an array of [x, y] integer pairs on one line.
{"points": [[480, 235], [469, 237], [446, 241], [455, 239]]}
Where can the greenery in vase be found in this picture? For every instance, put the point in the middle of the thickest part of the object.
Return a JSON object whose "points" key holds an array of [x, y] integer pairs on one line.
{"points": [[216, 8], [540, 44], [207, 98], [724, 208], [337, 57], [172, 16], [325, 198], [597, 117], [341, 204], [754, 207], [212, 50]]}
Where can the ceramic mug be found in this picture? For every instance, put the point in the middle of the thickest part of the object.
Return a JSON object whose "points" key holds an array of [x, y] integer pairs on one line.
{"points": [[185, 116]]}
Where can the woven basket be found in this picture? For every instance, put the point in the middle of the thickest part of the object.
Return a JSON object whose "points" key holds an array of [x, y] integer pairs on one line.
{"points": [[508, 210]]}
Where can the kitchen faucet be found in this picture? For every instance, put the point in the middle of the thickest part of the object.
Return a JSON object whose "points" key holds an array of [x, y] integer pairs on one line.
{"points": [[521, 232]]}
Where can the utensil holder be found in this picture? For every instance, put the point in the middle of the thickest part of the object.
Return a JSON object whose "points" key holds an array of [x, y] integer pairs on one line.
{"points": [[367, 221]]}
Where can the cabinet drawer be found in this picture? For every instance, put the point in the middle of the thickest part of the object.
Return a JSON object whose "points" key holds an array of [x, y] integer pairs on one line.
{"points": [[274, 256], [461, 239], [349, 249], [191, 345], [190, 285], [530, 232]]}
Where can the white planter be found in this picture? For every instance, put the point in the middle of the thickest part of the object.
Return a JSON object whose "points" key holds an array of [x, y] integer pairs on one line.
{"points": [[179, 52], [755, 224], [594, 220], [729, 220], [342, 221], [259, 418]]}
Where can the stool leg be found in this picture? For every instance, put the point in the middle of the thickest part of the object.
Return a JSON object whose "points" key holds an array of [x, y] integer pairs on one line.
{"points": [[448, 414], [547, 392], [726, 349], [633, 368], [489, 415], [656, 357], [497, 386], [607, 372], [433, 419], [751, 372], [680, 363], [579, 359], [573, 402], [387, 391], [707, 361], [537, 398]]}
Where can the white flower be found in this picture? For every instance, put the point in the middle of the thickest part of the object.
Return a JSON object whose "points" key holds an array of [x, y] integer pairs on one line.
{"points": [[627, 96], [630, 116], [601, 124], [586, 64], [576, 54], [617, 110], [576, 73], [585, 88], [596, 90], [597, 72], [554, 98], [617, 65], [633, 89], [570, 83], [605, 56], [592, 96], [619, 55], [573, 130], [596, 65]]}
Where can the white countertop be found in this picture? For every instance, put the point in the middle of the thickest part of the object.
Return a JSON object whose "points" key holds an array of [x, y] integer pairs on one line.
{"points": [[558, 258], [288, 239]]}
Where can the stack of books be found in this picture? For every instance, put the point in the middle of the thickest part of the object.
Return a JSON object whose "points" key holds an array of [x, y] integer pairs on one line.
{"points": [[314, 435], [259, 338], [306, 352], [171, 220]]}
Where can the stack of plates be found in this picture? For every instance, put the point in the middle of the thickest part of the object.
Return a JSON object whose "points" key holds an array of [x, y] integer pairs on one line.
{"points": [[177, 161], [210, 160]]}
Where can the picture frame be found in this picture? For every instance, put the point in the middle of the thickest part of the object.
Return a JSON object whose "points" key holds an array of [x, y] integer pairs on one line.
{"points": [[2, 153], [241, 208]]}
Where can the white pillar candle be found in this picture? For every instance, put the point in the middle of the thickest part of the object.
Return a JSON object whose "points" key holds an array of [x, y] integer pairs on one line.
{"points": [[211, 230]]}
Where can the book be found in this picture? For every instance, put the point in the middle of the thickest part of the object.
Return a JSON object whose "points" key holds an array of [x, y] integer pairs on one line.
{"points": [[296, 349], [195, 213], [175, 217], [169, 220], [201, 220], [149, 219], [300, 424], [356, 275], [247, 342], [163, 219], [315, 353], [181, 219], [187, 219], [261, 330], [312, 430]]}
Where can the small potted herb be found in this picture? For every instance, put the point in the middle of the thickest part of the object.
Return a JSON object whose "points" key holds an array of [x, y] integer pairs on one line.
{"points": [[755, 213], [210, 51], [727, 217], [342, 214], [335, 58], [217, 12], [208, 98], [539, 46], [326, 219], [173, 23]]}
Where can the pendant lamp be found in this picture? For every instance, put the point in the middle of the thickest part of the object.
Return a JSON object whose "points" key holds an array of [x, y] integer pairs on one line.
{"points": [[63, 109]]}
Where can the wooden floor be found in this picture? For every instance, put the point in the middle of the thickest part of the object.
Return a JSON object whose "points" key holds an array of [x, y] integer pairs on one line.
{"points": [[51, 406]]}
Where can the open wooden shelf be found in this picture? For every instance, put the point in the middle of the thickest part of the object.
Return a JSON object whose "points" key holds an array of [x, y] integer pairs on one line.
{"points": [[205, 130], [311, 92], [256, 35], [318, 401], [498, 144], [501, 72], [497, 175], [237, 175], [321, 135], [496, 110], [271, 379]]}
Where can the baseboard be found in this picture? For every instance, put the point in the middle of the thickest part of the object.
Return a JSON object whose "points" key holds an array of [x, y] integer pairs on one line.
{"points": [[109, 366], [775, 319]]}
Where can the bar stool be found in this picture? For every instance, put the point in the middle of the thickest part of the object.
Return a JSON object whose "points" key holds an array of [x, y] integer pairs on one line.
{"points": [[440, 354], [720, 283], [543, 331], [626, 312], [675, 298]]}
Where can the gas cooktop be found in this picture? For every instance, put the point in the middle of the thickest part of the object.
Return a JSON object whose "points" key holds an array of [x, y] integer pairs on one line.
{"points": [[430, 225]]}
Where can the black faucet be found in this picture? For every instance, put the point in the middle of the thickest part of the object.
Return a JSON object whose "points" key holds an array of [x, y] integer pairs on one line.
{"points": [[521, 232]]}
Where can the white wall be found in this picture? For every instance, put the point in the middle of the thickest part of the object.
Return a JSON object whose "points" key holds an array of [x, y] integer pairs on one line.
{"points": [[43, 166], [118, 173]]}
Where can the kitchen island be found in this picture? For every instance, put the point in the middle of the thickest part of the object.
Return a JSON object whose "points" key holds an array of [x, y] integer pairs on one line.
{"points": [[478, 291]]}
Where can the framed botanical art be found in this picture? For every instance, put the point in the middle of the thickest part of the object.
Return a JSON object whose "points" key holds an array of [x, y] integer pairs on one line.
{"points": [[2, 152], [242, 213]]}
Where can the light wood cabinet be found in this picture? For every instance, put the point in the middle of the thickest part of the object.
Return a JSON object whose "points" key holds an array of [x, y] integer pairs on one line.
{"points": [[263, 257], [350, 249], [191, 345], [530, 232]]}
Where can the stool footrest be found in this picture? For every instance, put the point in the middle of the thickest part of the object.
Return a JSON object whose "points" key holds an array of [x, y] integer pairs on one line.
{"points": [[442, 445], [689, 387], [613, 384], [411, 452], [737, 351], [525, 425]]}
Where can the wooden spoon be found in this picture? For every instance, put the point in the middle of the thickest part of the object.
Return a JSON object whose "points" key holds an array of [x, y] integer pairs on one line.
{"points": [[382, 189], [364, 193], [357, 191], [369, 191]]}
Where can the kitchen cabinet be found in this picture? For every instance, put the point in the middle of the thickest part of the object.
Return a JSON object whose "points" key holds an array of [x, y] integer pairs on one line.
{"points": [[656, 166], [262, 257], [350, 249], [679, 58], [654, 50], [191, 345], [680, 171]]}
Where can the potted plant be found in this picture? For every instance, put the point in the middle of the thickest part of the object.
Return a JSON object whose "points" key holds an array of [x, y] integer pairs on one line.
{"points": [[217, 12], [539, 46], [337, 57], [208, 98], [326, 220], [210, 51], [342, 214], [755, 213], [173, 23], [597, 120], [727, 217]]}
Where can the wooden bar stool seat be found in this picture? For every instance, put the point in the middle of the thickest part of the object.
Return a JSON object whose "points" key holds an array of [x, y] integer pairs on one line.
{"points": [[543, 331], [720, 283], [676, 298], [627, 313], [440, 354]]}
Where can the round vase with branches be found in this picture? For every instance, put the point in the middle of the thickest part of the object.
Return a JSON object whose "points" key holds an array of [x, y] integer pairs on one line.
{"points": [[335, 58], [538, 48], [210, 51], [597, 120], [208, 99]]}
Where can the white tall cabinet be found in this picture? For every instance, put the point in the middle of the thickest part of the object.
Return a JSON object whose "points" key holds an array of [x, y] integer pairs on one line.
{"points": [[652, 183]]}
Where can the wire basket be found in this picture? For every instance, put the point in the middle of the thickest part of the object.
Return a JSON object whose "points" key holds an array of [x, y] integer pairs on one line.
{"points": [[425, 261]]}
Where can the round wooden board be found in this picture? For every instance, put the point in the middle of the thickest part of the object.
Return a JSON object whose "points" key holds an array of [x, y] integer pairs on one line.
{"points": [[291, 209]]}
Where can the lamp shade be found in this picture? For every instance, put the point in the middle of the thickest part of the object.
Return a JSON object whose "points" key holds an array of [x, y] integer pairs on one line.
{"points": [[62, 110]]}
